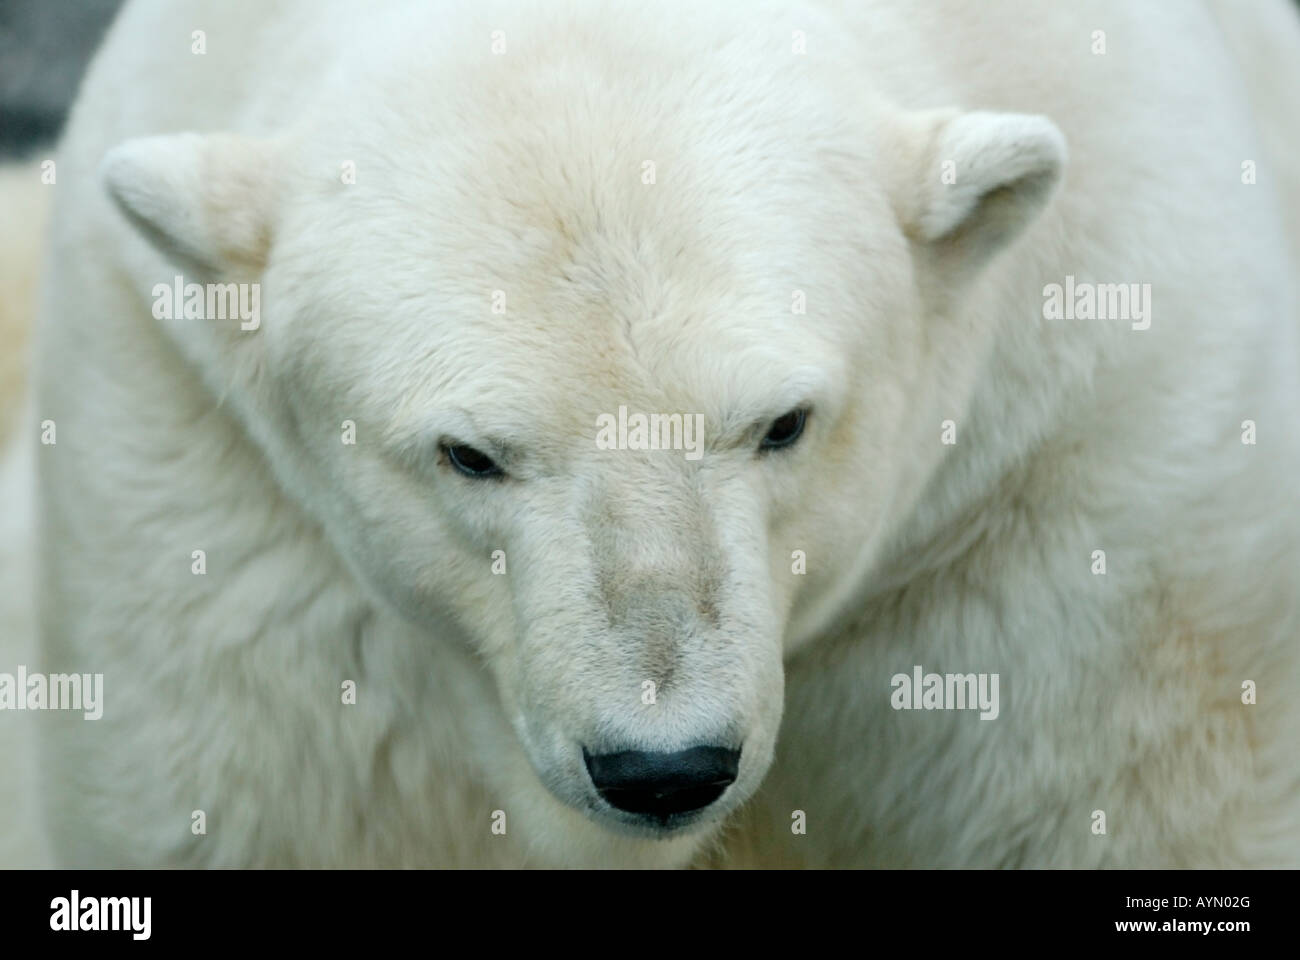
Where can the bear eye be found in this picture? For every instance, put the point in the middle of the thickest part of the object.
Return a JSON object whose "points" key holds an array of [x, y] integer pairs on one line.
{"points": [[785, 430], [471, 462]]}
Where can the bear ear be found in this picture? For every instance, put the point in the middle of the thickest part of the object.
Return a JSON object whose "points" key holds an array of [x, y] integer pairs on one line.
{"points": [[206, 203], [967, 184], [202, 200]]}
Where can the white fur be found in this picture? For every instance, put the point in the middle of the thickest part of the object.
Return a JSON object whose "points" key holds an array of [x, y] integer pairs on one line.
{"points": [[24, 200], [775, 172]]}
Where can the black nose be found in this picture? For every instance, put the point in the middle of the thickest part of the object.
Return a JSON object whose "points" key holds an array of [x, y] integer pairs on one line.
{"points": [[661, 784]]}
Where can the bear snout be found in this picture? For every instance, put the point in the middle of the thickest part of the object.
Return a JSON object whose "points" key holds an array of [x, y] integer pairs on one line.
{"points": [[659, 786]]}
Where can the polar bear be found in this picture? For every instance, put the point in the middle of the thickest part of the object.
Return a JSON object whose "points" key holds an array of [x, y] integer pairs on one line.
{"points": [[365, 589]]}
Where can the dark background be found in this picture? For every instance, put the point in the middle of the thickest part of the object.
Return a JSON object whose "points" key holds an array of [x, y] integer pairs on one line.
{"points": [[44, 48]]}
